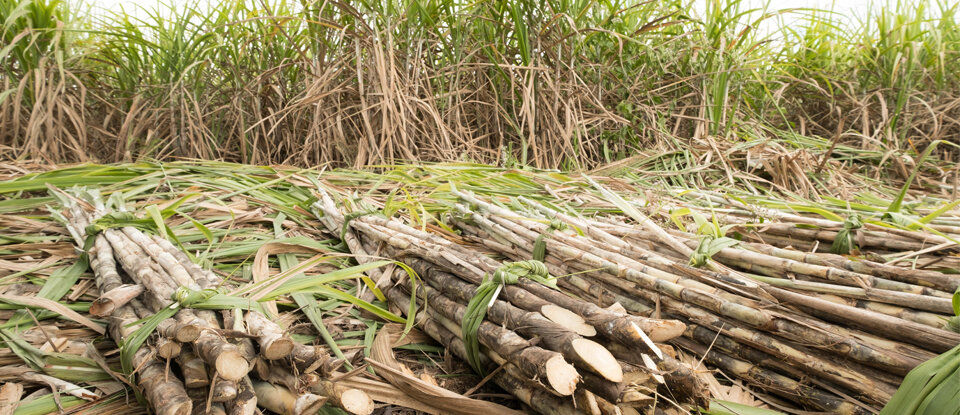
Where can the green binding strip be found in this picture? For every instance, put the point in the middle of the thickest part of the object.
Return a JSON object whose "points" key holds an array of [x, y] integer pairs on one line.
{"points": [[844, 242], [487, 293]]}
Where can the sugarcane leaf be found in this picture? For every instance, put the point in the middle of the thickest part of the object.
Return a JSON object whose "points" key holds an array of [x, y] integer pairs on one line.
{"points": [[40, 302], [676, 214], [30, 355], [920, 381], [326, 291], [305, 282], [154, 212], [227, 302], [57, 285], [898, 201], [956, 303], [933, 215], [47, 404], [372, 286], [131, 344], [942, 400]]}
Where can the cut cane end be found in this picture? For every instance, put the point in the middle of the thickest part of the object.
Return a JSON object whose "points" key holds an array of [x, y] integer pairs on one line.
{"points": [[599, 358], [278, 349], [231, 365], [356, 402], [562, 376], [568, 320]]}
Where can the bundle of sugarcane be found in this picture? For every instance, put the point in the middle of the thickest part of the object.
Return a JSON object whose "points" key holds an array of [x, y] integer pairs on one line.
{"points": [[843, 348], [537, 335], [893, 238], [197, 360]]}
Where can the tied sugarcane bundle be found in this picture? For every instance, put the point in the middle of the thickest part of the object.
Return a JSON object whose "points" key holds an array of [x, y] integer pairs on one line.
{"points": [[455, 274], [487, 292], [611, 260], [148, 290]]}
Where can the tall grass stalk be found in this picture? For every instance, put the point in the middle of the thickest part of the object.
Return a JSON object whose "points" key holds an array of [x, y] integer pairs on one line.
{"points": [[563, 84]]}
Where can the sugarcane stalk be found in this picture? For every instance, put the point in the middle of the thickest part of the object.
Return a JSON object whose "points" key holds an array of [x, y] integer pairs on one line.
{"points": [[223, 390], [687, 382], [274, 344], [509, 378], [309, 358], [535, 297], [108, 302], [173, 268], [535, 362], [167, 349], [723, 306], [772, 381], [582, 352], [865, 238], [354, 401], [225, 357], [504, 346], [275, 398], [165, 393], [767, 320], [183, 328], [246, 400], [192, 368], [919, 277], [922, 317]]}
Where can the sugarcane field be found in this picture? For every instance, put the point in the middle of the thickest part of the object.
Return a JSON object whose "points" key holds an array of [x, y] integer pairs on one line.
{"points": [[603, 207]]}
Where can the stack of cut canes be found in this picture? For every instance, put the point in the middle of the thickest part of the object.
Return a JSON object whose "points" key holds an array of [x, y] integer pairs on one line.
{"points": [[538, 343], [197, 361]]}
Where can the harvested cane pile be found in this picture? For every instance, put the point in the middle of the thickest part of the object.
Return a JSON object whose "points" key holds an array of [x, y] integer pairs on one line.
{"points": [[534, 333], [228, 363], [813, 330], [230, 291]]}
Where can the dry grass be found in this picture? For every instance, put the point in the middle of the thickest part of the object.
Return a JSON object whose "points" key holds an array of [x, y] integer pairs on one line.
{"points": [[570, 85]]}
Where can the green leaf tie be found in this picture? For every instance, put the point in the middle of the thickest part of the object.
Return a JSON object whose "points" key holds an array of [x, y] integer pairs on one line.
{"points": [[540, 245], [844, 241], [188, 297], [708, 247], [487, 293]]}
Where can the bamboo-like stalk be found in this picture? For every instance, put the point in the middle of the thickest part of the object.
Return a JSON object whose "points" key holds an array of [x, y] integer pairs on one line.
{"points": [[246, 400], [582, 352], [274, 344], [225, 357], [183, 328], [827, 340], [778, 266], [919, 277], [109, 301], [682, 379], [510, 378], [175, 269], [309, 358], [224, 391], [535, 362], [746, 351], [772, 381], [165, 393], [534, 297], [192, 368], [742, 311], [167, 349], [353, 401]]}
